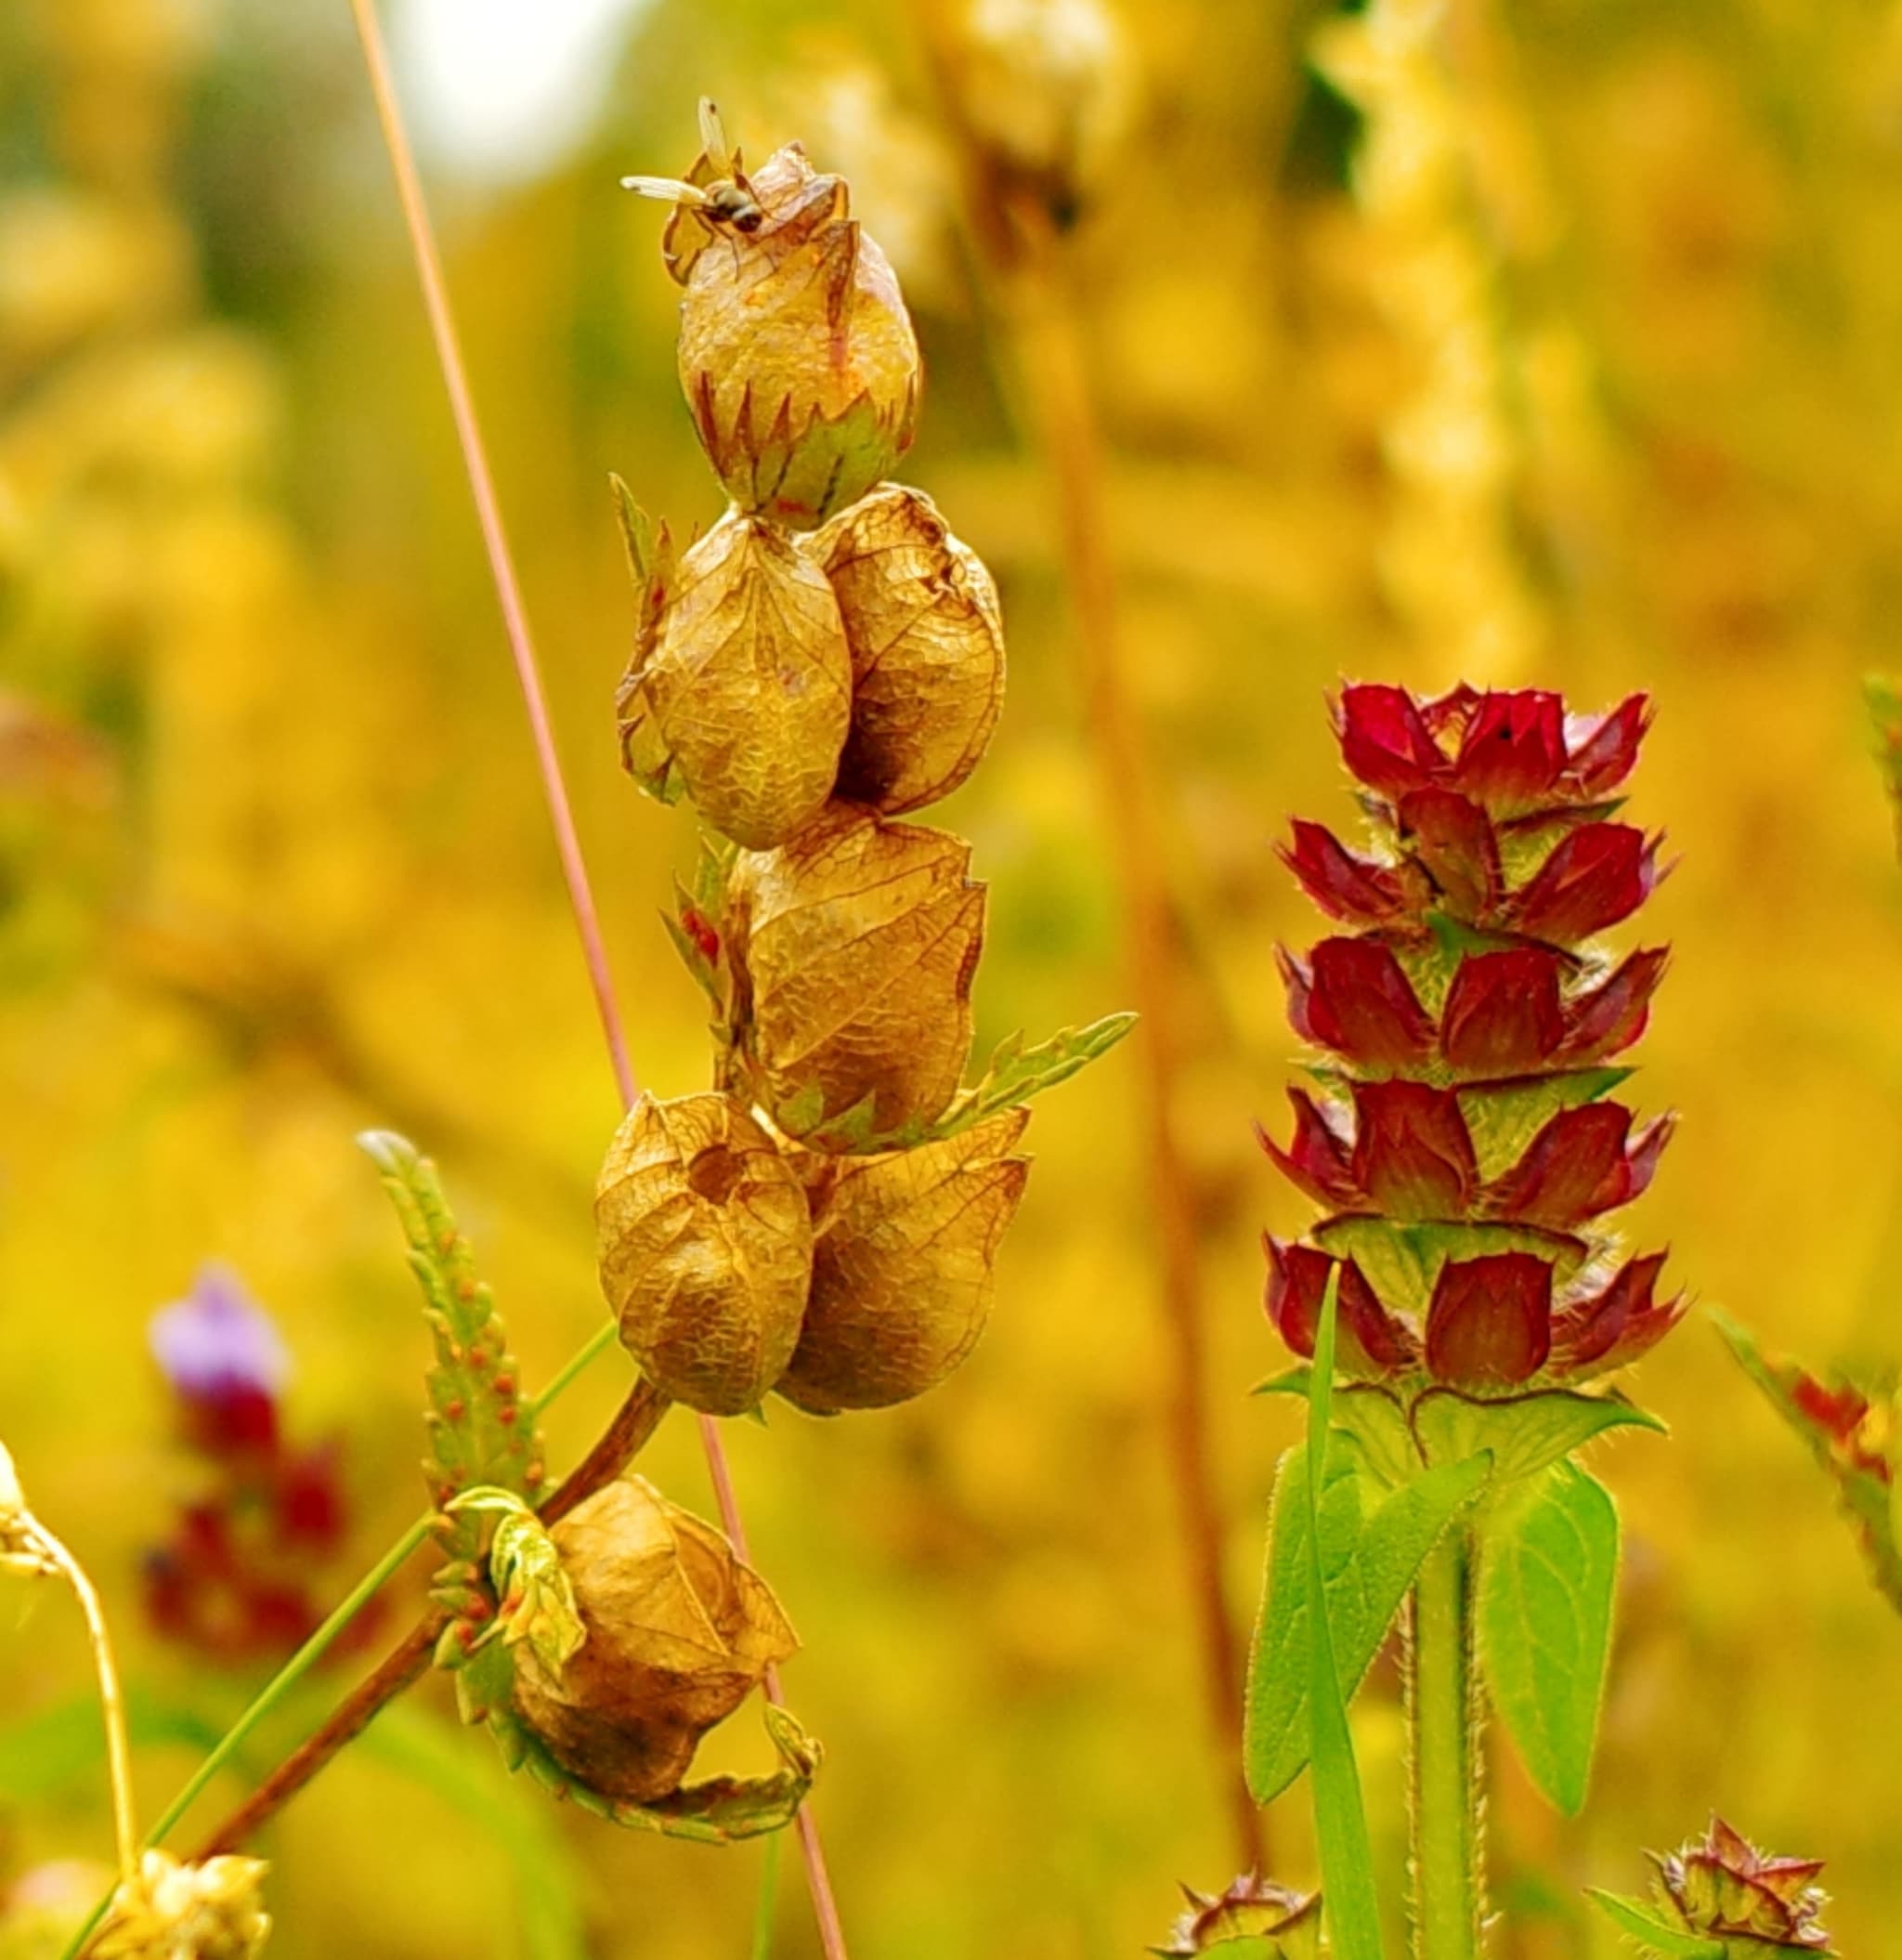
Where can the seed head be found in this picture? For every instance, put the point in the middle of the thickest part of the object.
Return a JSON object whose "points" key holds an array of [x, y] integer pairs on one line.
{"points": [[1722, 1888], [213, 1910], [926, 640], [706, 1250], [678, 1632], [902, 1252]]}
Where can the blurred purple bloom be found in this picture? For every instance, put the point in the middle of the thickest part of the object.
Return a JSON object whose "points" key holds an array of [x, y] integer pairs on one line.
{"points": [[218, 1341]]}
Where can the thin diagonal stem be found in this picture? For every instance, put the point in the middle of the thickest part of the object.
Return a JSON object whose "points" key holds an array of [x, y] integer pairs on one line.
{"points": [[1057, 391], [554, 789]]}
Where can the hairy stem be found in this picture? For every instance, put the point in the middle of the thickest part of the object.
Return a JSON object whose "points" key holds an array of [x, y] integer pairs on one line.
{"points": [[1443, 1719], [1057, 388]]}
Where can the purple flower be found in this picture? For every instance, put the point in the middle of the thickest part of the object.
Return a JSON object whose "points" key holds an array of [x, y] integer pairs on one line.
{"points": [[217, 1343]]}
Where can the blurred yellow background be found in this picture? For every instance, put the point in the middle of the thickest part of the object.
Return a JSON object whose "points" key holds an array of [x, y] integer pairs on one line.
{"points": [[273, 867]]}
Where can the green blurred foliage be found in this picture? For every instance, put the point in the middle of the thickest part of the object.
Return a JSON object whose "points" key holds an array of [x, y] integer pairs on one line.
{"points": [[273, 867]]}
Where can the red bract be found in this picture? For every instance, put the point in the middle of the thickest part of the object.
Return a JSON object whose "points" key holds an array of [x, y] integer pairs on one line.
{"points": [[1725, 1889], [1489, 1324], [1470, 1020]]}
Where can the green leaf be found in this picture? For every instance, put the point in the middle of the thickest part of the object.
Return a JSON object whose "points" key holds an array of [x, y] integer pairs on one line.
{"points": [[480, 1428], [1548, 1571], [1658, 1937], [1525, 1433], [537, 1597], [1016, 1073], [1368, 1565], [1340, 1820]]}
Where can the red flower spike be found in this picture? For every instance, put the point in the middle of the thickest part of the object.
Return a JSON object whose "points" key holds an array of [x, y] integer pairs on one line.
{"points": [[1583, 1162], [1837, 1411], [1606, 1019], [1355, 890], [1413, 1154], [1602, 752], [1489, 1324], [1353, 998], [1385, 740], [1451, 840], [1503, 1016], [1372, 1340], [1317, 1161], [1599, 874], [1513, 751]]}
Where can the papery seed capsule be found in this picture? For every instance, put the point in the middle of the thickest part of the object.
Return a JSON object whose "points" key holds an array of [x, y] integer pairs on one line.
{"points": [[749, 685], [927, 642], [706, 1249], [903, 1253], [678, 1632], [854, 950], [796, 351]]}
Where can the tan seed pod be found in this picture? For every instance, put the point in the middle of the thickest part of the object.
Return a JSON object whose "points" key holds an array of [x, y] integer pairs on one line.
{"points": [[749, 685], [706, 1249], [796, 351], [677, 1633], [854, 950], [927, 641], [903, 1255]]}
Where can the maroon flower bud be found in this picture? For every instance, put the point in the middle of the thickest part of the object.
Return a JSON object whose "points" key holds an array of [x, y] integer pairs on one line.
{"points": [[1503, 1014], [1489, 1324], [1725, 1888], [1355, 890], [1413, 1154], [1584, 1161], [1351, 996], [1604, 1329], [1595, 877], [1373, 1341], [1451, 840]]}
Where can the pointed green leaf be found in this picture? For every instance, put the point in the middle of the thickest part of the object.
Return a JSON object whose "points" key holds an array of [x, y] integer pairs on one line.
{"points": [[1525, 1433], [1658, 1937], [1368, 1565], [1016, 1073], [1548, 1571], [1340, 1819], [481, 1431]]}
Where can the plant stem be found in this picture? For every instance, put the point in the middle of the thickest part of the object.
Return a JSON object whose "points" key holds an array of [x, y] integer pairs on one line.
{"points": [[1443, 1720], [1057, 391], [111, 1701], [604, 1337]]}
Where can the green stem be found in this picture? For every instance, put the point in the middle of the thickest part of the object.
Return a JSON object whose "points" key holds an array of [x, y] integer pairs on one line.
{"points": [[604, 1336], [767, 1909], [1442, 1708]]}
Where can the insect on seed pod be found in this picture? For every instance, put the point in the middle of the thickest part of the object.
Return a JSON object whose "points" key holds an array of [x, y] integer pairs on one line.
{"points": [[678, 1632], [903, 1253], [927, 642], [796, 352], [747, 686], [854, 950], [706, 1249]]}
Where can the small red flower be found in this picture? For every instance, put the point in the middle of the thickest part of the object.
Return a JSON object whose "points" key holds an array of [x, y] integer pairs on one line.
{"points": [[1357, 891], [1385, 741], [1514, 749], [1583, 1162], [1318, 1158], [1489, 1322], [1413, 1155], [1502, 1014], [1595, 877], [1371, 1340], [1351, 996], [1606, 1019], [1451, 838]]}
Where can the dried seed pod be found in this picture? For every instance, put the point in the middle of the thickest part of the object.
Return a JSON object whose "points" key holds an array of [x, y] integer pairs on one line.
{"points": [[854, 950], [927, 642], [706, 1249], [796, 351], [748, 687], [902, 1266], [677, 1633]]}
